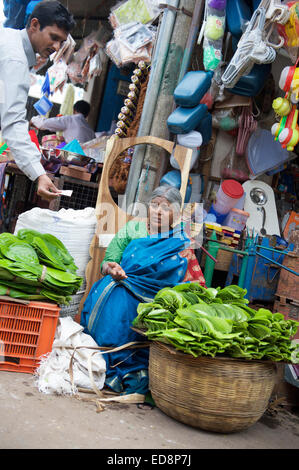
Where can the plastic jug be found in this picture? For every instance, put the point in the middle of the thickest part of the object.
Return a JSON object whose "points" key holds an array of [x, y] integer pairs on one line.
{"points": [[253, 83], [192, 88], [192, 140], [227, 196], [205, 128], [183, 120], [173, 178], [238, 13]]}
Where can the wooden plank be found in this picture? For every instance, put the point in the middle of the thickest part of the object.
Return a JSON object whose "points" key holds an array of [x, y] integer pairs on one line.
{"points": [[75, 173]]}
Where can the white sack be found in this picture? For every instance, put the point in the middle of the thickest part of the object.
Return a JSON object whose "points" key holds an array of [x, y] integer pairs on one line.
{"points": [[53, 373]]}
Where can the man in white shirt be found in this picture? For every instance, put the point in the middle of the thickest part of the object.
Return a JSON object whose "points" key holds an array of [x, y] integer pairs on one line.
{"points": [[47, 28], [73, 127]]}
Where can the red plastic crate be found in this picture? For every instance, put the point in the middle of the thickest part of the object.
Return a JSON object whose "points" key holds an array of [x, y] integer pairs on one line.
{"points": [[26, 333]]}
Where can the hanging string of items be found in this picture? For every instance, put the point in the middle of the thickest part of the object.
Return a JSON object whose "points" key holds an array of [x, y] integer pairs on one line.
{"points": [[128, 111]]}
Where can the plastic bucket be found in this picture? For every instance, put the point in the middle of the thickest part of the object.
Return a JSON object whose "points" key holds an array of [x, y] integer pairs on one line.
{"points": [[236, 219], [227, 196]]}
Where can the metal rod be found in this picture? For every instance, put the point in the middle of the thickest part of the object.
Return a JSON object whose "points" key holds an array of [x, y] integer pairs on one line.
{"points": [[278, 264], [272, 249], [226, 248]]}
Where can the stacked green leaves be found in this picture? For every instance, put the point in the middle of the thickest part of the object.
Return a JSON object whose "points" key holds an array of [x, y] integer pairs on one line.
{"points": [[210, 322], [35, 266]]}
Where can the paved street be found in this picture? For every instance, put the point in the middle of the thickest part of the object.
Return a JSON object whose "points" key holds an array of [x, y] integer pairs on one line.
{"points": [[32, 420]]}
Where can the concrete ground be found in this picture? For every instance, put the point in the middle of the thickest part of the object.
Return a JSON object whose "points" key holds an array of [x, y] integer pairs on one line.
{"points": [[32, 420]]}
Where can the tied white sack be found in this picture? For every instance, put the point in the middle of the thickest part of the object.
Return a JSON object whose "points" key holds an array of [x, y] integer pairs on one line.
{"points": [[74, 228], [52, 376]]}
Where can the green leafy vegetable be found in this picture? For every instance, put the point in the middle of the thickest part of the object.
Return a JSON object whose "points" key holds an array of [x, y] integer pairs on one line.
{"points": [[36, 266], [212, 322]]}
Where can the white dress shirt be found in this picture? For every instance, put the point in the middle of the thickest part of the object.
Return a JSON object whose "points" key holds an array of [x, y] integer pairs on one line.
{"points": [[73, 127], [16, 59]]}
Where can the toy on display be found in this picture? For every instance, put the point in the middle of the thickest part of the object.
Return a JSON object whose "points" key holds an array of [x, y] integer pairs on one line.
{"points": [[287, 130], [289, 82], [290, 31], [289, 135]]}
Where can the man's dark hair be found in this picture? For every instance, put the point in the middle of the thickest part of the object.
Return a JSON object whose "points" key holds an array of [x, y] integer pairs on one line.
{"points": [[49, 12], [82, 107]]}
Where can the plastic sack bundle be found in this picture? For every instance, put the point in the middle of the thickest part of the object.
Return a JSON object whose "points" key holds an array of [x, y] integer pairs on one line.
{"points": [[89, 368]]}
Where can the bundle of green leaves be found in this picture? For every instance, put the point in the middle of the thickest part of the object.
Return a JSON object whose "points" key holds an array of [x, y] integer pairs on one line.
{"points": [[35, 266], [210, 322]]}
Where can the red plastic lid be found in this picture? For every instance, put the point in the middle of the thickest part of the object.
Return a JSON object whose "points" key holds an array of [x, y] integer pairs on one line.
{"points": [[232, 188]]}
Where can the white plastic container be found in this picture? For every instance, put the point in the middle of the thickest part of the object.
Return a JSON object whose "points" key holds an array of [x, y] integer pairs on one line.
{"points": [[236, 219], [228, 195], [192, 140]]}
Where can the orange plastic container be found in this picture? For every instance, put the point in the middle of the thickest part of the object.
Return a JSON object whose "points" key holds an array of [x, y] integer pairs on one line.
{"points": [[26, 333]]}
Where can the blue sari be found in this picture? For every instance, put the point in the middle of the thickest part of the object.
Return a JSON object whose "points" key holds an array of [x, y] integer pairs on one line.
{"points": [[151, 264]]}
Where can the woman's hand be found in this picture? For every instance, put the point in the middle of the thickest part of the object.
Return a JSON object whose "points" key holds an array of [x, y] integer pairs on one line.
{"points": [[115, 271]]}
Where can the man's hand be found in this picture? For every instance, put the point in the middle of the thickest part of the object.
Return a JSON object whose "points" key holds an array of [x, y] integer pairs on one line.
{"points": [[46, 189], [115, 271]]}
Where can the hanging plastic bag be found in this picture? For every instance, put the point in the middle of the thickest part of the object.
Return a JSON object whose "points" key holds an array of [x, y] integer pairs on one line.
{"points": [[131, 44], [143, 11], [214, 28], [233, 167], [290, 31], [225, 119], [134, 36]]}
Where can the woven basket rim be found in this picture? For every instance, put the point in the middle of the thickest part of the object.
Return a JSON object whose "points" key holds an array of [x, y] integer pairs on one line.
{"points": [[183, 355]]}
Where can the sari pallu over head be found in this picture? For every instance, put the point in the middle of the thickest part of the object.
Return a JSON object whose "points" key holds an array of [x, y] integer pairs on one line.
{"points": [[151, 264]]}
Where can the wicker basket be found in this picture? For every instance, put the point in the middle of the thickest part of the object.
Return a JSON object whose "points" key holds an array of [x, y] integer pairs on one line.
{"points": [[216, 394]]}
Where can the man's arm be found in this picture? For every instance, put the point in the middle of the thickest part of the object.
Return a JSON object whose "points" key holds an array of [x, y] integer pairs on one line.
{"points": [[54, 124], [14, 126]]}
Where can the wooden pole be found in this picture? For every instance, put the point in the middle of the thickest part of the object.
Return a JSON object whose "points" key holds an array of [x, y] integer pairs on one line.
{"points": [[185, 31]]}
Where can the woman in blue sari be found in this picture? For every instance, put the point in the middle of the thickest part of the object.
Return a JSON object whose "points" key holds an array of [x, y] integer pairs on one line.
{"points": [[141, 259]]}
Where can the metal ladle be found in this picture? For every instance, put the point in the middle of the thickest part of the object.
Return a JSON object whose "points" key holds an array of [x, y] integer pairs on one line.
{"points": [[259, 197]]}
